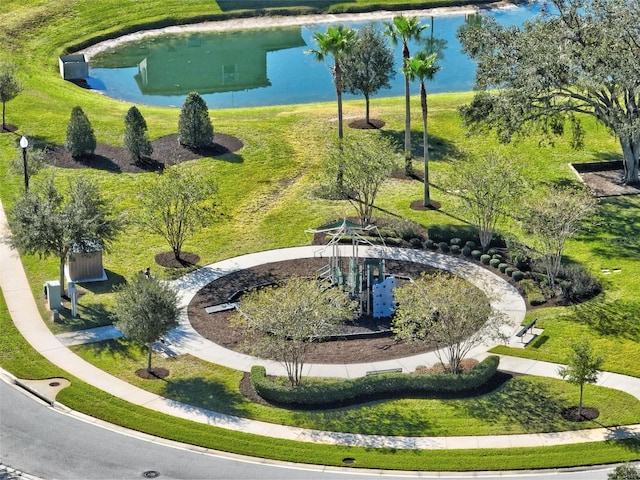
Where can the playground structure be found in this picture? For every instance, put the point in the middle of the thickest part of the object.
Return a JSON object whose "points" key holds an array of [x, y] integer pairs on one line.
{"points": [[365, 279]]}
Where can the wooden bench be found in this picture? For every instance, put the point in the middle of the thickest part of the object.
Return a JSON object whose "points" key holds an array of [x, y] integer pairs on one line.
{"points": [[380, 372], [523, 331]]}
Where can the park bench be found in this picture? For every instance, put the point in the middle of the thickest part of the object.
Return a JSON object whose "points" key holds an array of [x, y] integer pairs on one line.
{"points": [[380, 372], [527, 328]]}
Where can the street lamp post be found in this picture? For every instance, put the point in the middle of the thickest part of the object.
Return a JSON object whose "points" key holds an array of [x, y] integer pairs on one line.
{"points": [[24, 143]]}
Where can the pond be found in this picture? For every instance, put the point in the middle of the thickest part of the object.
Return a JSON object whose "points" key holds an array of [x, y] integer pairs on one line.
{"points": [[260, 67]]}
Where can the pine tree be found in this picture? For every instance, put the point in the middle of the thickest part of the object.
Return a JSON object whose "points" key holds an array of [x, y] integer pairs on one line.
{"points": [[135, 135], [80, 137], [194, 126]]}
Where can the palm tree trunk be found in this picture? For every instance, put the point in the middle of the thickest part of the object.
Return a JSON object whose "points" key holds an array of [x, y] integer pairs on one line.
{"points": [[425, 141], [407, 114]]}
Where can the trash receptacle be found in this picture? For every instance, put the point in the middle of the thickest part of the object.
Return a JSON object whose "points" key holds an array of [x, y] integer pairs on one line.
{"points": [[53, 294]]}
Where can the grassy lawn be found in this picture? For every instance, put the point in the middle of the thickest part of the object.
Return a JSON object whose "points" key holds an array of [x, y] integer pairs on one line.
{"points": [[265, 196], [522, 405]]}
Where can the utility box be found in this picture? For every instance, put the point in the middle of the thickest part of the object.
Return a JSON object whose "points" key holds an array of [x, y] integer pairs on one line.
{"points": [[53, 294], [73, 67]]}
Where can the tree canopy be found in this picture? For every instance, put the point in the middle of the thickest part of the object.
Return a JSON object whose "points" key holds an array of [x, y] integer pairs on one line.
{"points": [[283, 320], [176, 203], [582, 57], [448, 312], [582, 367], [145, 310], [368, 66], [46, 222], [9, 88]]}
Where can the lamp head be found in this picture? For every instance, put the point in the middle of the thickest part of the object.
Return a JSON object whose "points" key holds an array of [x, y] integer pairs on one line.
{"points": [[24, 143]]}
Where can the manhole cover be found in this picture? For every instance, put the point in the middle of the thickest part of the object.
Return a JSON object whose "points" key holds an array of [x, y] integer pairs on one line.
{"points": [[151, 474], [54, 384], [348, 461]]}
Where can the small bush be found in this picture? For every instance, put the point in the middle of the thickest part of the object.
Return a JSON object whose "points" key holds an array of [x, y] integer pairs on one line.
{"points": [[430, 244], [475, 254], [578, 284], [470, 244], [455, 249], [444, 246], [521, 261], [497, 256], [485, 259], [509, 270], [533, 292], [415, 242], [502, 266], [493, 251], [466, 251], [455, 241], [494, 262], [194, 126], [80, 137], [517, 275]]}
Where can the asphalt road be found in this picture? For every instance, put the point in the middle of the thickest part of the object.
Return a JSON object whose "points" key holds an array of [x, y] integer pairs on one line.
{"points": [[46, 443]]}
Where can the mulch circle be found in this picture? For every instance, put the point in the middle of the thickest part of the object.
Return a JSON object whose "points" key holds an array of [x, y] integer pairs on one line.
{"points": [[167, 151], [169, 260], [157, 373], [571, 414], [372, 124], [418, 205]]}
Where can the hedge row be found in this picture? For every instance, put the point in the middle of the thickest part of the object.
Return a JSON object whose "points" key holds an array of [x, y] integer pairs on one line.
{"points": [[334, 392]]}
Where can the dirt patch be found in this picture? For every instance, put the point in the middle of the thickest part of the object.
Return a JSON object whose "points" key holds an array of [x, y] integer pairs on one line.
{"points": [[169, 260], [156, 373], [372, 124], [216, 326], [608, 183], [167, 151], [571, 414]]}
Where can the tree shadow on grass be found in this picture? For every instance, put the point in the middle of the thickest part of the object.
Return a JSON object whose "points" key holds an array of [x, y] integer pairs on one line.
{"points": [[531, 405], [198, 393], [619, 319], [116, 348], [105, 286], [614, 231], [439, 148]]}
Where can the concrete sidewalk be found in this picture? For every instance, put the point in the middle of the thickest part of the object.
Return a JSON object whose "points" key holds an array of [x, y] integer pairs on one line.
{"points": [[22, 308]]}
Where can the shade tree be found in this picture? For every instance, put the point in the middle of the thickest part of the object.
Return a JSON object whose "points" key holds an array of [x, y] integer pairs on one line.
{"points": [[368, 66], [283, 321], [448, 312], [145, 310], [177, 203], [9, 88], [50, 222], [582, 367], [581, 58]]}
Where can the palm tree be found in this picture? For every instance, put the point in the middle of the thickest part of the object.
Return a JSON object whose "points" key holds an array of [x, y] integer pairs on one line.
{"points": [[423, 67], [336, 42], [403, 29]]}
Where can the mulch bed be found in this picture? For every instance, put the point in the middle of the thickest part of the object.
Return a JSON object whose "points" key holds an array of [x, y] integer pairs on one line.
{"points": [[156, 373], [167, 151], [216, 326], [571, 414]]}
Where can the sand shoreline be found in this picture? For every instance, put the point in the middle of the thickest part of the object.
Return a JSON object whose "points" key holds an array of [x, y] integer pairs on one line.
{"points": [[286, 21]]}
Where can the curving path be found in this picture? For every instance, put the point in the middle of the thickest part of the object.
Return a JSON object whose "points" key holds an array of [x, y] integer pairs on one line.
{"points": [[22, 307]]}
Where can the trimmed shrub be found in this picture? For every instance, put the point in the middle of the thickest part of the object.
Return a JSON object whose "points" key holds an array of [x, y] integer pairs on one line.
{"points": [[476, 254], [430, 244], [509, 270], [492, 251], [494, 262], [485, 259], [470, 244], [533, 292], [135, 135], [466, 251], [455, 249], [444, 246], [455, 241], [497, 256], [415, 242], [517, 275], [502, 267], [354, 390], [80, 137], [194, 126]]}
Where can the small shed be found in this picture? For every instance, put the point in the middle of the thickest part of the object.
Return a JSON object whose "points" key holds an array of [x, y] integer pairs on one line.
{"points": [[73, 67], [85, 266]]}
